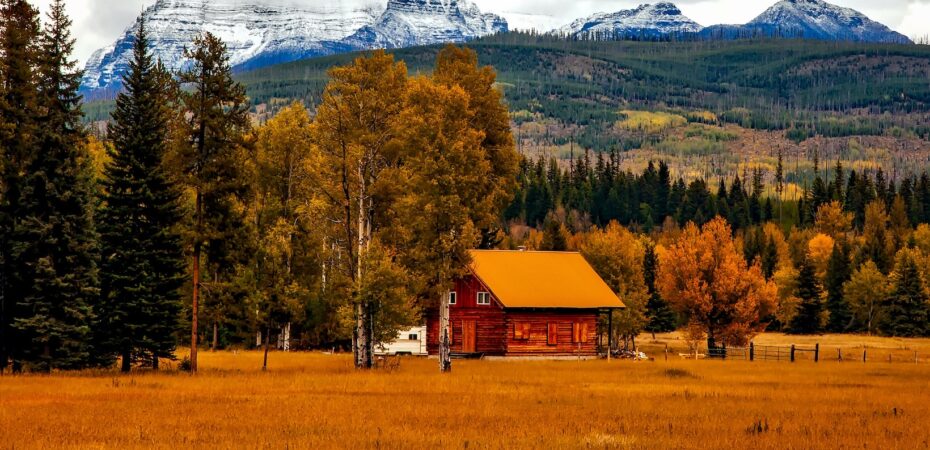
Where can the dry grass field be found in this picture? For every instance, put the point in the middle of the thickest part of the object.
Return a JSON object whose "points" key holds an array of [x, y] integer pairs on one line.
{"points": [[312, 400]]}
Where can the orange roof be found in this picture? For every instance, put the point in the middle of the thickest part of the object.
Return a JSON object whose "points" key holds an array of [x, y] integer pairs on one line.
{"points": [[524, 279]]}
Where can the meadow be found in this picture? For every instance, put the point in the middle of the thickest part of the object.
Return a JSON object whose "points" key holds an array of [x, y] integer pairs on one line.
{"points": [[314, 400]]}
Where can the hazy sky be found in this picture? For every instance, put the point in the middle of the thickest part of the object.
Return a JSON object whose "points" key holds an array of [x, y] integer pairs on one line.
{"points": [[98, 23]]}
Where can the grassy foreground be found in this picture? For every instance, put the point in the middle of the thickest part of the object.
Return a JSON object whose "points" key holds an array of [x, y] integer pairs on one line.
{"points": [[318, 401]]}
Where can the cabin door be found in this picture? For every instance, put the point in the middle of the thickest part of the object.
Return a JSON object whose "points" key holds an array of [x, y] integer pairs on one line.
{"points": [[469, 328]]}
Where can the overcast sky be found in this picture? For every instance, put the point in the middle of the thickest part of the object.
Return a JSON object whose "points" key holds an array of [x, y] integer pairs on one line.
{"points": [[98, 23]]}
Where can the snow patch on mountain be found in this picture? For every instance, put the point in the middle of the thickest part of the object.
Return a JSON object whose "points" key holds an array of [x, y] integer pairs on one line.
{"points": [[817, 19], [408, 23], [260, 33], [650, 20]]}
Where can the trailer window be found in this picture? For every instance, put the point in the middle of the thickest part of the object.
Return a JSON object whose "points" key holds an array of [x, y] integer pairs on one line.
{"points": [[412, 337]]}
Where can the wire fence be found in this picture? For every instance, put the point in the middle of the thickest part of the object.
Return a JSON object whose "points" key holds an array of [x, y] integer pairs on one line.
{"points": [[802, 353]]}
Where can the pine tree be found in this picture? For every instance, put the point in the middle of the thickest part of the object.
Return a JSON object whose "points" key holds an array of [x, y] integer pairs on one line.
{"points": [[19, 35], [905, 313], [142, 267], [55, 240], [769, 260], [661, 318], [808, 318], [839, 271], [217, 117], [553, 238]]}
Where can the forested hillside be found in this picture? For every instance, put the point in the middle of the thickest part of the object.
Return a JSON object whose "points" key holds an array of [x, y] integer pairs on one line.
{"points": [[808, 87]]}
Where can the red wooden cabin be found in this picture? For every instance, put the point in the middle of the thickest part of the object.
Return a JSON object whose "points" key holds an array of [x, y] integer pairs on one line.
{"points": [[522, 303]]}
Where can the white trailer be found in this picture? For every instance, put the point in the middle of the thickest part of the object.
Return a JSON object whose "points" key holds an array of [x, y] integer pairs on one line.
{"points": [[411, 341]]}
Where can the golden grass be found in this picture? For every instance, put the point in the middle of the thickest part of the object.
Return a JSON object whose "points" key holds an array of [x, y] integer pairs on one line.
{"points": [[318, 401]]}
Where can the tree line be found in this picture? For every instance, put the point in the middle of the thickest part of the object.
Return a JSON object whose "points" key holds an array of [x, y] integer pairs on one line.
{"points": [[850, 255], [338, 227]]}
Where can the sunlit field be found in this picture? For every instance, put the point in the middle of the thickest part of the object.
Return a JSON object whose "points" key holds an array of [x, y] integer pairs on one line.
{"points": [[313, 400]]}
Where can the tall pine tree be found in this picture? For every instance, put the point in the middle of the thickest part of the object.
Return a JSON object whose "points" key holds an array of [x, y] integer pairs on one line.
{"points": [[839, 271], [660, 315], [142, 267], [19, 35], [54, 241], [216, 112], [906, 310], [808, 318]]}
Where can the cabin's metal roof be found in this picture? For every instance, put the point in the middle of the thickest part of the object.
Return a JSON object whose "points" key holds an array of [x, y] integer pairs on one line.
{"points": [[529, 279]]}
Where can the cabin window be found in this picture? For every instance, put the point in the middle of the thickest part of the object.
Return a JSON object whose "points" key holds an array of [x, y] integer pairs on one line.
{"points": [[579, 332], [484, 298], [553, 335], [412, 337], [452, 298], [521, 331]]}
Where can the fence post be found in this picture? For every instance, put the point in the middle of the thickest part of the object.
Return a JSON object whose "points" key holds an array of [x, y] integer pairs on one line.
{"points": [[817, 352], [792, 352], [752, 352], [863, 354], [839, 355], [666, 352]]}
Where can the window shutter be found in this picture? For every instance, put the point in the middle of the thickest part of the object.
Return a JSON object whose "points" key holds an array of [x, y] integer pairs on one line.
{"points": [[553, 333], [584, 332], [517, 331], [526, 330], [576, 332]]}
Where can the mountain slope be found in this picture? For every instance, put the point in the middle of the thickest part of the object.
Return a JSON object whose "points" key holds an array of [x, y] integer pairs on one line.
{"points": [[645, 20], [408, 23], [812, 19], [260, 33]]}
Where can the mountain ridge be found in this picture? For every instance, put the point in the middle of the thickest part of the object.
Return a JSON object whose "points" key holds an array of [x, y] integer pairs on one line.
{"points": [[260, 34]]}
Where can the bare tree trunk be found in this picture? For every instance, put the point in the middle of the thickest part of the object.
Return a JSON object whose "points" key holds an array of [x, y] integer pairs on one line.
{"points": [[445, 345], [265, 362], [194, 305], [362, 313], [196, 279], [216, 337], [126, 365], [362, 358], [287, 338]]}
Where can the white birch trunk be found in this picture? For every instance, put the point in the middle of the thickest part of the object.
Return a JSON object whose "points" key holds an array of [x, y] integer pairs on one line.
{"points": [[445, 346], [287, 338]]}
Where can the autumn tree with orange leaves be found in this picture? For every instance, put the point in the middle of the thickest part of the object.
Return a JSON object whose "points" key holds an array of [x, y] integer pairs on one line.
{"points": [[708, 281]]}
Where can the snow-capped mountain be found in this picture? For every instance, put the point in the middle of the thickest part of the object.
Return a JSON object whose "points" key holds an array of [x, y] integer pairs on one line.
{"points": [[645, 20], [811, 19], [407, 23], [265, 32], [817, 19], [262, 32]]}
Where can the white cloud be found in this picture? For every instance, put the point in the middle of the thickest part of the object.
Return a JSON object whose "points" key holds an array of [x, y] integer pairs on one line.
{"points": [[98, 23]]}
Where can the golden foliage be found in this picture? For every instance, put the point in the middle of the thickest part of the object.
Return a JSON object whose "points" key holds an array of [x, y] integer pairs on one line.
{"points": [[708, 280], [819, 249], [616, 254], [832, 220], [866, 291], [650, 122]]}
